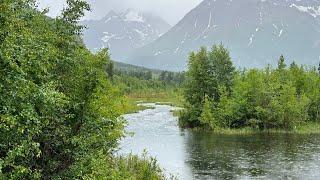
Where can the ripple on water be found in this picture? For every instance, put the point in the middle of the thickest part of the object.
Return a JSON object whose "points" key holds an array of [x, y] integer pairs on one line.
{"points": [[197, 155]]}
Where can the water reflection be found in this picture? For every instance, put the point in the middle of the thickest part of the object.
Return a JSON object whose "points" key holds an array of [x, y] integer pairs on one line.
{"points": [[196, 155], [280, 156]]}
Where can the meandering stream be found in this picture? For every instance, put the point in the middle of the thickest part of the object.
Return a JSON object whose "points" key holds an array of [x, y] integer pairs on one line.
{"points": [[196, 155]]}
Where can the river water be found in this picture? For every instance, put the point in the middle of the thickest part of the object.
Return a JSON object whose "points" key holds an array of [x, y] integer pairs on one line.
{"points": [[196, 155]]}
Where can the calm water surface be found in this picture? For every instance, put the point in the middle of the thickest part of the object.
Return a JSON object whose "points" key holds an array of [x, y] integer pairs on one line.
{"points": [[195, 155]]}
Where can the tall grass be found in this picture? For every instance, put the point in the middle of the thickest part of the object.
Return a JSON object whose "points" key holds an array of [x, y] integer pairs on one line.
{"points": [[139, 167], [308, 128]]}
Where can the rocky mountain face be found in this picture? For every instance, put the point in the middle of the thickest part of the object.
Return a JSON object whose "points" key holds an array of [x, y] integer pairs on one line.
{"points": [[123, 32], [256, 32]]}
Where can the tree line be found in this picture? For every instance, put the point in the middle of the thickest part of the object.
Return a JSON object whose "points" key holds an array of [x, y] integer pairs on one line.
{"points": [[218, 96], [141, 79], [166, 77]]}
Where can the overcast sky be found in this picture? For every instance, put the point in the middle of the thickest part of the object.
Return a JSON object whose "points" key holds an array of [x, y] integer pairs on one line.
{"points": [[170, 10]]}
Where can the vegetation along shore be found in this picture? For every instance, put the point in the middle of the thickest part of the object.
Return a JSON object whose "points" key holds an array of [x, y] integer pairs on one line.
{"points": [[222, 99]]}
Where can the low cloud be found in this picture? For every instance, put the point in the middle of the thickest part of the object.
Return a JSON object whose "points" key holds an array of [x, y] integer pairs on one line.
{"points": [[170, 10]]}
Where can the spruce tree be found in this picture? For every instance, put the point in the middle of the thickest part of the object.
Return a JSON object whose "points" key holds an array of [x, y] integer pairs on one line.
{"points": [[293, 65], [110, 69], [281, 63]]}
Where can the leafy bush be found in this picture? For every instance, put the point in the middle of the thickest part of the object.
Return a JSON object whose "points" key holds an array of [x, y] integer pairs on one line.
{"points": [[59, 113]]}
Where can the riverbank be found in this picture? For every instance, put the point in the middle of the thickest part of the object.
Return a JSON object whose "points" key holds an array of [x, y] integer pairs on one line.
{"points": [[310, 128], [136, 105], [162, 98], [132, 106]]}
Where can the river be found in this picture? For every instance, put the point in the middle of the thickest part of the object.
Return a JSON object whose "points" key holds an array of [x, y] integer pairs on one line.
{"points": [[199, 155]]}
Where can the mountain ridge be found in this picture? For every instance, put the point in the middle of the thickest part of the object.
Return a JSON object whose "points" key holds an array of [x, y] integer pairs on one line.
{"points": [[122, 32], [257, 32]]}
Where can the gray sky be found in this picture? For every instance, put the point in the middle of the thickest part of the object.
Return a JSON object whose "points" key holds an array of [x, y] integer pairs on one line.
{"points": [[170, 10]]}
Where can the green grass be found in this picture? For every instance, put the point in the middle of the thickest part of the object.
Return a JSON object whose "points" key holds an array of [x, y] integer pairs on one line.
{"points": [[129, 167], [176, 112], [171, 97], [139, 167], [132, 106], [308, 128]]}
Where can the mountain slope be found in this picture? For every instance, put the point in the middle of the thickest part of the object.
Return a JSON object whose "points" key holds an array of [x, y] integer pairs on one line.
{"points": [[255, 31], [122, 32]]}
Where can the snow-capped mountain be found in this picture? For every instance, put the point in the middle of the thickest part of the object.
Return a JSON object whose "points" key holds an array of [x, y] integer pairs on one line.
{"points": [[256, 32], [124, 31]]}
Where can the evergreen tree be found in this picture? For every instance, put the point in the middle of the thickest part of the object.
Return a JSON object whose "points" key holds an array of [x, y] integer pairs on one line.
{"points": [[109, 65], [149, 75], [293, 65], [110, 69], [281, 63]]}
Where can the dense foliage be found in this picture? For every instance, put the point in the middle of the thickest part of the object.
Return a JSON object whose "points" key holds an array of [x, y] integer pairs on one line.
{"points": [[220, 97], [59, 111]]}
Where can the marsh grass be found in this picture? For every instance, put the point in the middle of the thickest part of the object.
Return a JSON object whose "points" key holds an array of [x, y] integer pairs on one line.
{"points": [[310, 128], [134, 100], [172, 97], [141, 167]]}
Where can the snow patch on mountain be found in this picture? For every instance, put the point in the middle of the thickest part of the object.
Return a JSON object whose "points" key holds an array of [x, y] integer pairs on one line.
{"points": [[122, 32], [280, 33], [251, 39], [132, 15], [313, 11], [107, 36], [142, 34]]}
